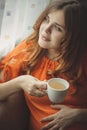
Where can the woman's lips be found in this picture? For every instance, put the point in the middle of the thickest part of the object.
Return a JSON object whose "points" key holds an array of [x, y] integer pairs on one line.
{"points": [[44, 38]]}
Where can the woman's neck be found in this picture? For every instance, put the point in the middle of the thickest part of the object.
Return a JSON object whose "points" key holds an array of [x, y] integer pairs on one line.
{"points": [[52, 54]]}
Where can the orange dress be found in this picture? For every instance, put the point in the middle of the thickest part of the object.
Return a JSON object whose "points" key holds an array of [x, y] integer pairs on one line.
{"points": [[40, 106]]}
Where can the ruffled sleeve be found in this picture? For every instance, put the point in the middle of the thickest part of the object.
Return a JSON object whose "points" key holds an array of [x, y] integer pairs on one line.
{"points": [[10, 67]]}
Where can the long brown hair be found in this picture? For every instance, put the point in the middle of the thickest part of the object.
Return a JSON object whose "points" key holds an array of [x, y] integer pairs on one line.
{"points": [[71, 50]]}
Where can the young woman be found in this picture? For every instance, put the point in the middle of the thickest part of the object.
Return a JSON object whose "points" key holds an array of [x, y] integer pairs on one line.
{"points": [[56, 48]]}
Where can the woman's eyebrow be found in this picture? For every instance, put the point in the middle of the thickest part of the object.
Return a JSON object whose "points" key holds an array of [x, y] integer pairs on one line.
{"points": [[57, 24]]}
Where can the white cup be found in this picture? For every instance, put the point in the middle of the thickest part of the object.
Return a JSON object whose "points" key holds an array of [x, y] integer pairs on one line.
{"points": [[57, 89]]}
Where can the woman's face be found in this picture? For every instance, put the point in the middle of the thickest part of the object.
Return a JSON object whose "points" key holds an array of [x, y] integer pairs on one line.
{"points": [[52, 32]]}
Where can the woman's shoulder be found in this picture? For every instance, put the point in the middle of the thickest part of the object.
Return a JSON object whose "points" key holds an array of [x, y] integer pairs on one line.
{"points": [[18, 50], [22, 46]]}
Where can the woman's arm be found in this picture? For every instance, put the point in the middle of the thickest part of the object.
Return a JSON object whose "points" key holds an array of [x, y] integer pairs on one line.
{"points": [[26, 82], [8, 88]]}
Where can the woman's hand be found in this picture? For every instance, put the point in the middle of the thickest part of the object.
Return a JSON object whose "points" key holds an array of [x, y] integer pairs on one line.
{"points": [[28, 83], [62, 119], [32, 85]]}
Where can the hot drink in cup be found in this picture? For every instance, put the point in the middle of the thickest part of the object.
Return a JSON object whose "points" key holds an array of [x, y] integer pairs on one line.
{"points": [[57, 89]]}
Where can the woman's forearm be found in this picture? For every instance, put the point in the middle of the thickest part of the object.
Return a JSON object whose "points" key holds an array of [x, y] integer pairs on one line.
{"points": [[8, 88], [23, 82]]}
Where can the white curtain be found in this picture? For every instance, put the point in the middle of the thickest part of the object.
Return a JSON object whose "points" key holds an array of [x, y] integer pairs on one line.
{"points": [[16, 20]]}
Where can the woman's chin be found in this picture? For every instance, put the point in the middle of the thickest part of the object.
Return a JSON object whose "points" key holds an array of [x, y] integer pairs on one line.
{"points": [[42, 44]]}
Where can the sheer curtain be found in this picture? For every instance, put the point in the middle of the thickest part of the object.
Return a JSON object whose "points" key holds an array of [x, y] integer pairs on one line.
{"points": [[16, 20]]}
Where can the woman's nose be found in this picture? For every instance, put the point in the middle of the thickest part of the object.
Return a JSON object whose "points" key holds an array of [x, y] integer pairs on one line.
{"points": [[48, 28]]}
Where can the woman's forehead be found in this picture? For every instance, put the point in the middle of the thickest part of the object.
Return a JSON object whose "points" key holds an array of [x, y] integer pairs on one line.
{"points": [[57, 17]]}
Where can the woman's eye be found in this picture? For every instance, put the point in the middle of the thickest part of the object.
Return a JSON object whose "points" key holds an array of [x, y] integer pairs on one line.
{"points": [[58, 28]]}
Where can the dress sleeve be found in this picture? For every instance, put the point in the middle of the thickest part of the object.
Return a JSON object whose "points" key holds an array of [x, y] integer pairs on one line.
{"points": [[10, 66], [15, 51]]}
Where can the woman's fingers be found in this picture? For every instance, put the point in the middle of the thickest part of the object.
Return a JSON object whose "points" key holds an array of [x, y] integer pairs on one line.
{"points": [[37, 89]]}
